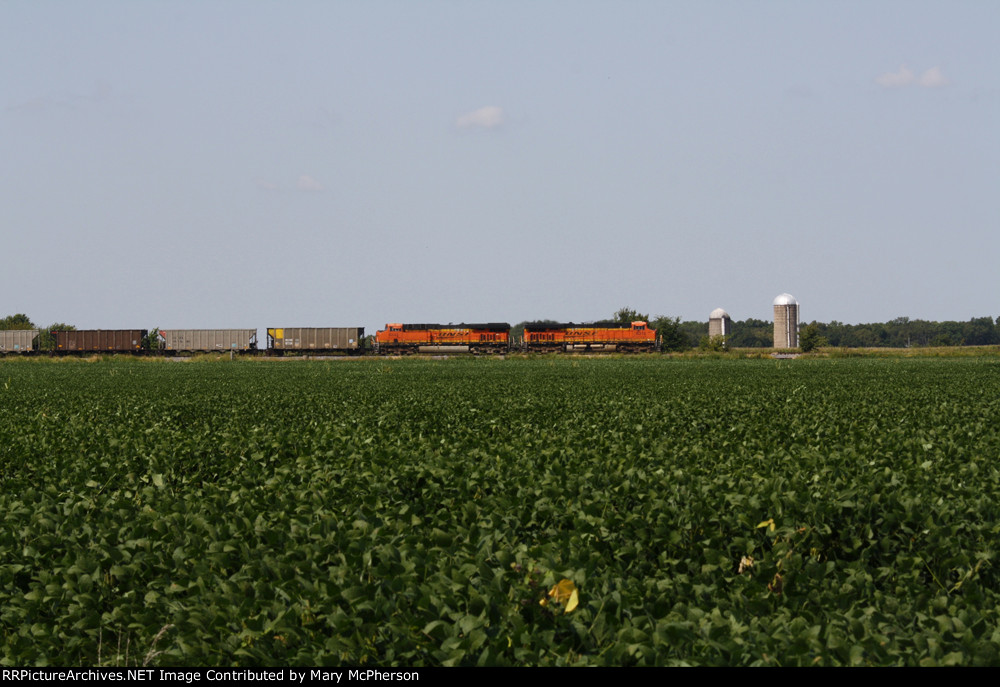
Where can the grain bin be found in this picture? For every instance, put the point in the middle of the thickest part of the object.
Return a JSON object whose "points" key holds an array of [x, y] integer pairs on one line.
{"points": [[786, 321], [719, 324]]}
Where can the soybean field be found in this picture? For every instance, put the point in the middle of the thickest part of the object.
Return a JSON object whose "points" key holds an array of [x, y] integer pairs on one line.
{"points": [[529, 511]]}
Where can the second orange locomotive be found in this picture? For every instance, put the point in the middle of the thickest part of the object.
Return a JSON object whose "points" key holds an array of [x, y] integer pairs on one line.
{"points": [[493, 337], [598, 336]]}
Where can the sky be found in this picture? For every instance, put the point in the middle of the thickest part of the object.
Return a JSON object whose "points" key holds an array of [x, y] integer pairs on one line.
{"points": [[217, 164]]}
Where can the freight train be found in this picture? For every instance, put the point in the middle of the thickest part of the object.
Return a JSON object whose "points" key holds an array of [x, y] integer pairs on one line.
{"points": [[395, 339]]}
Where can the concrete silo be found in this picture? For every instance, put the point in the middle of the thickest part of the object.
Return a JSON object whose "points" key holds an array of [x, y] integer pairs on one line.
{"points": [[786, 321], [719, 324]]}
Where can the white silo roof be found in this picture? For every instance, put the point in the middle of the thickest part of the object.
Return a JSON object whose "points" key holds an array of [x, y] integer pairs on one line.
{"points": [[785, 299], [718, 314]]}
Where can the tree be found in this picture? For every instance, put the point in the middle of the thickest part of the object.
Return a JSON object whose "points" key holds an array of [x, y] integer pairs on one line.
{"points": [[153, 340], [672, 336], [979, 331], [810, 339], [751, 333], [18, 321], [46, 341], [627, 315], [715, 343]]}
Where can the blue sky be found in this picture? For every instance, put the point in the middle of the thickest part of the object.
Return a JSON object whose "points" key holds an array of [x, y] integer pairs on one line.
{"points": [[254, 164]]}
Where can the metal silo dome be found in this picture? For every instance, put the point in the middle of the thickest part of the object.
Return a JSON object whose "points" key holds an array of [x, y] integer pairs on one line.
{"points": [[719, 323], [785, 299]]}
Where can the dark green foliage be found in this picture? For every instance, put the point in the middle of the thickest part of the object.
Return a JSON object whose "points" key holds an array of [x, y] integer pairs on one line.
{"points": [[152, 342], [627, 315], [751, 333], [810, 339], [903, 332], [46, 340], [715, 343], [385, 512], [18, 321], [671, 333]]}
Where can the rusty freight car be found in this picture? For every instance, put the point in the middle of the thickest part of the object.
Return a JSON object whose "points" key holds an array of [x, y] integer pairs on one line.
{"points": [[597, 336], [101, 340], [493, 337]]}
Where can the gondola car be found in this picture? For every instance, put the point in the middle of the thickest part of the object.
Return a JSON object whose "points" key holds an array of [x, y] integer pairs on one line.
{"points": [[101, 340]]}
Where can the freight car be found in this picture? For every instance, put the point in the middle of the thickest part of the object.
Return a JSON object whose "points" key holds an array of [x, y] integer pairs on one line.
{"points": [[598, 336], [18, 341], [493, 337], [207, 340], [101, 340], [315, 340]]}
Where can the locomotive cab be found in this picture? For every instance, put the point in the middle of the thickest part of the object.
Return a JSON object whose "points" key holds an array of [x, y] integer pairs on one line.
{"points": [[389, 336], [393, 327]]}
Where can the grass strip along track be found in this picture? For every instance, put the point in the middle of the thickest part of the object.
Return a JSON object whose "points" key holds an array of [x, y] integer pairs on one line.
{"points": [[488, 511]]}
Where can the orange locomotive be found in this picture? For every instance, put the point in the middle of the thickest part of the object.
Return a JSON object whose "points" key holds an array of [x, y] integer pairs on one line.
{"points": [[598, 336], [493, 337]]}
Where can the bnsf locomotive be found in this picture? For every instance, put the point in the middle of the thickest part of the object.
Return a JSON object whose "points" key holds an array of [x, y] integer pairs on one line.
{"points": [[439, 338], [395, 339], [599, 336]]}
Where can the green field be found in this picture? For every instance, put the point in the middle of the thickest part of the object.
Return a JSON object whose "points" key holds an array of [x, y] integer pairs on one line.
{"points": [[416, 512]]}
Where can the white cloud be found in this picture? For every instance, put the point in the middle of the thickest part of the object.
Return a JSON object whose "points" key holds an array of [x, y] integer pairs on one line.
{"points": [[904, 77], [487, 117], [933, 78], [307, 183]]}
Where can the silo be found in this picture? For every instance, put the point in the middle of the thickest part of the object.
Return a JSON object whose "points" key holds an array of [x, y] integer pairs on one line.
{"points": [[786, 321], [719, 323]]}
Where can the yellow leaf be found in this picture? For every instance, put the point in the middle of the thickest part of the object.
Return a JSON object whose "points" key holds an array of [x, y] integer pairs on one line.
{"points": [[574, 600], [565, 593], [562, 590], [769, 523]]}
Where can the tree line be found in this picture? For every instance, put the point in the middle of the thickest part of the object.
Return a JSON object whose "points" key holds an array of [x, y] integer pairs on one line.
{"points": [[901, 332]]}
